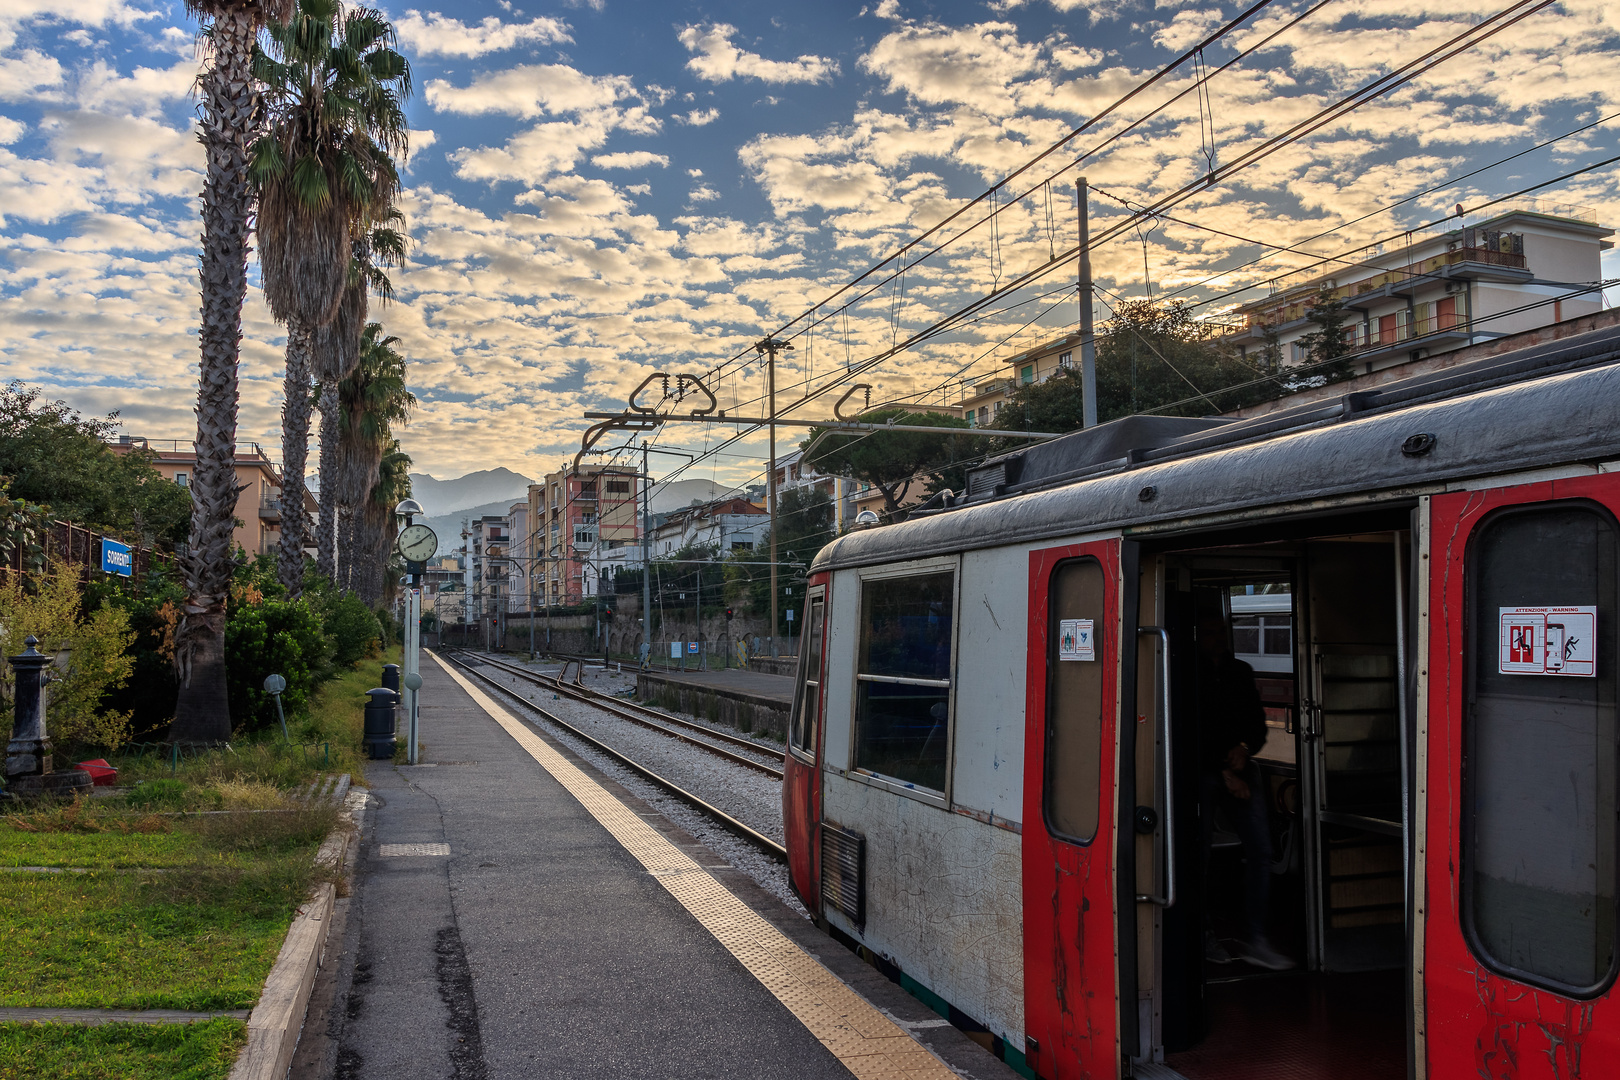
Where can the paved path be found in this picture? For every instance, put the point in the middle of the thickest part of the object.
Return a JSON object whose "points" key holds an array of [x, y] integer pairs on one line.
{"points": [[540, 945]]}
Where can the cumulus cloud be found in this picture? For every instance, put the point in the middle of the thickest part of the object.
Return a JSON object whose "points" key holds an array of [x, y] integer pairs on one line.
{"points": [[699, 117], [704, 193], [634, 159], [434, 34], [972, 65], [718, 60], [530, 90]]}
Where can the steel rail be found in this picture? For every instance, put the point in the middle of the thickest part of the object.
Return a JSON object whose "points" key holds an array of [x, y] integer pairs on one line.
{"points": [[744, 832], [624, 712], [582, 692]]}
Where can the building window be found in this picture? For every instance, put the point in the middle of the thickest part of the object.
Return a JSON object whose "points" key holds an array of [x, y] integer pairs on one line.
{"points": [[903, 678], [742, 545], [182, 479], [1074, 704], [618, 487], [1066, 360], [999, 404], [1026, 374], [1539, 875], [588, 491], [984, 415]]}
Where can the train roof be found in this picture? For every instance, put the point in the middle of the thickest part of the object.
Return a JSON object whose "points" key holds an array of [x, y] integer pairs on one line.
{"points": [[1546, 405]]}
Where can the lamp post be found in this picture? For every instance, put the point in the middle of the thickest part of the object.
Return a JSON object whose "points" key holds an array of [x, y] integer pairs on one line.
{"points": [[408, 509]]}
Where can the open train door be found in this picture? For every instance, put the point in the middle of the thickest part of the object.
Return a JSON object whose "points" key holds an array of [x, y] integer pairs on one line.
{"points": [[1516, 952], [1073, 950]]}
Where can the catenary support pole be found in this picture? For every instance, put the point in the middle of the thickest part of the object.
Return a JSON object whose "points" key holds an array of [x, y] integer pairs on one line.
{"points": [[1088, 343]]}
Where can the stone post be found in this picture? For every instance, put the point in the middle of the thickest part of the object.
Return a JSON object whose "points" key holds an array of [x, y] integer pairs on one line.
{"points": [[29, 752]]}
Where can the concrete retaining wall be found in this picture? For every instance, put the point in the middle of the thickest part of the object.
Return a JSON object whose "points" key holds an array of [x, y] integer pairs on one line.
{"points": [[747, 713]]}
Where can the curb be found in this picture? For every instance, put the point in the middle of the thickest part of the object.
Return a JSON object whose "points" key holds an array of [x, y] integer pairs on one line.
{"points": [[277, 1020]]}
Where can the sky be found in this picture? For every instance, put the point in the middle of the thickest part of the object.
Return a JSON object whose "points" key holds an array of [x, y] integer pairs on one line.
{"points": [[602, 190]]}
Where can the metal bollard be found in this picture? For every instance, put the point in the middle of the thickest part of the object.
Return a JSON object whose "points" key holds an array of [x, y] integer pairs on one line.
{"points": [[380, 707]]}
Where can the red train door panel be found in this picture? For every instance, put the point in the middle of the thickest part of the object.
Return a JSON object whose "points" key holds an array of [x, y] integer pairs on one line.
{"points": [[1070, 1015], [801, 777], [1519, 908]]}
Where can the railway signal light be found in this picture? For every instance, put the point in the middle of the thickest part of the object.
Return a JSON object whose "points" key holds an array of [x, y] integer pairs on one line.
{"points": [[729, 613]]}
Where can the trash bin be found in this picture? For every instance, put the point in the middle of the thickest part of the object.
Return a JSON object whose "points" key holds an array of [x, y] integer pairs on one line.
{"points": [[379, 738]]}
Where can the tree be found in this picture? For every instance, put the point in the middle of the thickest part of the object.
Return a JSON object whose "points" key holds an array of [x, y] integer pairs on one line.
{"points": [[891, 461], [804, 525], [1151, 357], [51, 454], [337, 353], [373, 399], [324, 171], [1326, 350], [378, 527], [229, 108]]}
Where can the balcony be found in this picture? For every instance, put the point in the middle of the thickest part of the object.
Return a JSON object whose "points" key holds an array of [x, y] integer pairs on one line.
{"points": [[270, 508]]}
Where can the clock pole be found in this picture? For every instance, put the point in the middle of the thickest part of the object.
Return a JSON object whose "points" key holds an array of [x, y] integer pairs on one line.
{"points": [[413, 540]]}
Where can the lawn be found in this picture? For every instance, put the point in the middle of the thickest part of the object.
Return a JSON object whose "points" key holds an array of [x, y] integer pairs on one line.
{"points": [[200, 1051], [175, 893]]}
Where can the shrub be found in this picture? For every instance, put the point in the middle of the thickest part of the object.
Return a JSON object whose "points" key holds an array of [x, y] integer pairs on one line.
{"points": [[353, 628], [272, 637], [48, 606]]}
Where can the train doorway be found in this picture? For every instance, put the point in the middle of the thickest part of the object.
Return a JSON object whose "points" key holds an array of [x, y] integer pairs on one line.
{"points": [[1285, 951]]}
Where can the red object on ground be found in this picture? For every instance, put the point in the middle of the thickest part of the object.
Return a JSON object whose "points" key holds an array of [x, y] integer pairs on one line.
{"points": [[101, 773]]}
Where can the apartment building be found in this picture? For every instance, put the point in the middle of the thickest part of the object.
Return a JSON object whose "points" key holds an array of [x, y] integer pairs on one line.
{"points": [[793, 474], [587, 525], [1533, 264], [985, 397], [726, 525], [258, 477]]}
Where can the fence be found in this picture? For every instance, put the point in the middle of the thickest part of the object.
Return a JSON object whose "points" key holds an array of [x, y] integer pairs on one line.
{"points": [[65, 544]]}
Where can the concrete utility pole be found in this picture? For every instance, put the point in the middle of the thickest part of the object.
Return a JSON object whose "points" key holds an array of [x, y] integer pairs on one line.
{"points": [[770, 347], [646, 550], [1088, 344]]}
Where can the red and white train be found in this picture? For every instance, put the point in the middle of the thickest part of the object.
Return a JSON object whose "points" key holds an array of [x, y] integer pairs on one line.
{"points": [[996, 784]]}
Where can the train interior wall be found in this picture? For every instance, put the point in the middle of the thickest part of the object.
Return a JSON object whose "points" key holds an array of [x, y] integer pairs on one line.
{"points": [[1317, 621]]}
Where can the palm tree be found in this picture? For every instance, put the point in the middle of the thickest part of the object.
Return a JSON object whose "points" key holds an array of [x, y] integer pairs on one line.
{"points": [[323, 167], [337, 354], [372, 399], [230, 104], [377, 525]]}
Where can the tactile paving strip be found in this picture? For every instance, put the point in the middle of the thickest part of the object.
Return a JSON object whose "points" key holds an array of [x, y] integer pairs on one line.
{"points": [[869, 1044]]}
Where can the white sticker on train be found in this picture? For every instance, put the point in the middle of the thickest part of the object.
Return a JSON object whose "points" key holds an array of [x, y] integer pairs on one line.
{"points": [[1075, 641], [1548, 641]]}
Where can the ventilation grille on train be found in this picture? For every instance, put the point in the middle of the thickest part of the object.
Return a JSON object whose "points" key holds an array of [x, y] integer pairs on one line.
{"points": [[843, 872]]}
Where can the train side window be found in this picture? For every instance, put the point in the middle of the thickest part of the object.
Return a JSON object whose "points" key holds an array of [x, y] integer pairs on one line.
{"points": [[903, 678], [1539, 881], [808, 710], [1074, 704]]}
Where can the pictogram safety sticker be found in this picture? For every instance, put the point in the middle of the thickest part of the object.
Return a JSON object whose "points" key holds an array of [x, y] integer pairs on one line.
{"points": [[1548, 641]]}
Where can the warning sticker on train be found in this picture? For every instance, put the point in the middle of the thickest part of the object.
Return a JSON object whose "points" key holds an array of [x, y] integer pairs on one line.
{"points": [[1075, 641], [1548, 641]]}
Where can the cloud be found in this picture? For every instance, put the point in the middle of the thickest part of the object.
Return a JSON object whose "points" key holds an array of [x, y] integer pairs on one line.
{"points": [[29, 76], [635, 159], [1188, 28], [718, 60], [530, 90], [434, 34], [972, 65], [704, 193], [11, 130], [699, 117], [420, 141]]}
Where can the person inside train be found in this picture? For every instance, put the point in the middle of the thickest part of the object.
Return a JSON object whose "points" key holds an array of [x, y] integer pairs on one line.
{"points": [[1231, 729]]}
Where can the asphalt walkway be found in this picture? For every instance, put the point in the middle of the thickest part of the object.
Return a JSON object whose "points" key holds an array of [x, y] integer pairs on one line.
{"points": [[504, 926]]}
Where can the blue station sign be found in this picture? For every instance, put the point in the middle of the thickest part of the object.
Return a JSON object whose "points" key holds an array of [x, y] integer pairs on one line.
{"points": [[116, 558]]}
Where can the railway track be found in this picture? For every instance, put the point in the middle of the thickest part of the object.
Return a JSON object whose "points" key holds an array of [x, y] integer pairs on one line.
{"points": [[737, 828], [659, 721]]}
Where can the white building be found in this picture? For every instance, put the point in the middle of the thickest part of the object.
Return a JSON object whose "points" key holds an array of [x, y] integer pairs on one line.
{"points": [[792, 474], [1523, 268], [727, 525]]}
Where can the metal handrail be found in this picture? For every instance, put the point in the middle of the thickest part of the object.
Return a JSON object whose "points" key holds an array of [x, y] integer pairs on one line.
{"points": [[900, 680], [1169, 897]]}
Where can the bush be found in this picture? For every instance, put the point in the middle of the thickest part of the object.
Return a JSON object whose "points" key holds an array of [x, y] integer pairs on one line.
{"points": [[272, 637], [353, 628]]}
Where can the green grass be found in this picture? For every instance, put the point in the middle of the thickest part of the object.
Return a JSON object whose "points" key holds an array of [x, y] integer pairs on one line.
{"points": [[200, 1051], [200, 936]]}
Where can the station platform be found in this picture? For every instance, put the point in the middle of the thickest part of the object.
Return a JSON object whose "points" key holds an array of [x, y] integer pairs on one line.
{"points": [[519, 914], [750, 701]]}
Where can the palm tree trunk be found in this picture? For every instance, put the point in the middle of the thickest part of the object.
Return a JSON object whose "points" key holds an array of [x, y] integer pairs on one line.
{"points": [[202, 711], [294, 455], [325, 557], [346, 546]]}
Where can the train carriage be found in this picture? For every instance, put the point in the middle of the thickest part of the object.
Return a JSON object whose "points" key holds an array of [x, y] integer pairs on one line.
{"points": [[999, 778]]}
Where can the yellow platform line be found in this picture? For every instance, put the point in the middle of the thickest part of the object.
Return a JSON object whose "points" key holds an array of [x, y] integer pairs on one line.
{"points": [[869, 1044]]}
